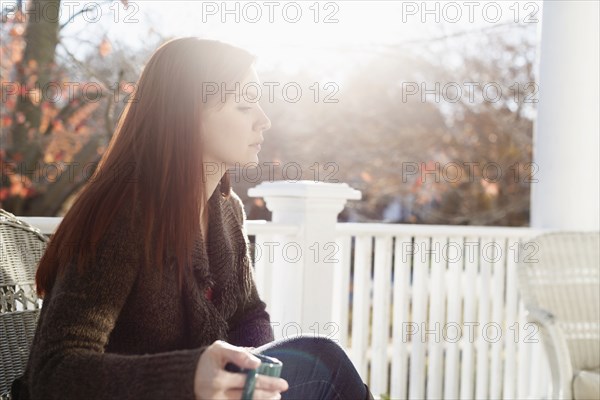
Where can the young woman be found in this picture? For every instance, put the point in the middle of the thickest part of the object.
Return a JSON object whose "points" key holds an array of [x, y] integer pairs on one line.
{"points": [[147, 283]]}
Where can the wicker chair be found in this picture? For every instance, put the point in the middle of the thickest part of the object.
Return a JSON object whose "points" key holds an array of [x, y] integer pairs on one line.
{"points": [[559, 279], [21, 247]]}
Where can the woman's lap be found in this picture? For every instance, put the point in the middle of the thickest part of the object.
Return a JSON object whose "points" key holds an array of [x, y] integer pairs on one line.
{"points": [[315, 367]]}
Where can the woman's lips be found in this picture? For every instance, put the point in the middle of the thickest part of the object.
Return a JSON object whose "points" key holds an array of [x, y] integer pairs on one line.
{"points": [[256, 146]]}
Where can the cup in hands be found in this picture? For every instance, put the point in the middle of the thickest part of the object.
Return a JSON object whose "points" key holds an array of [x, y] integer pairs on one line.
{"points": [[226, 371], [269, 366]]}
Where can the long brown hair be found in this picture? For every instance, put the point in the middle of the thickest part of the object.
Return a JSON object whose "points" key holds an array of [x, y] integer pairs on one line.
{"points": [[156, 150]]}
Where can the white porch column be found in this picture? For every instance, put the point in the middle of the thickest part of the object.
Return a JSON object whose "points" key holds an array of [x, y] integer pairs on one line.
{"points": [[566, 133], [303, 271]]}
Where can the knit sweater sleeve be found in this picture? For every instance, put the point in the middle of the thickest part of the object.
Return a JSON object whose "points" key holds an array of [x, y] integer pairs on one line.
{"points": [[251, 324], [68, 360]]}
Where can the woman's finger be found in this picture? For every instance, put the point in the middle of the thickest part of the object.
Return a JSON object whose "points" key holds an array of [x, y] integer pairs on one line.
{"points": [[270, 383], [263, 395], [233, 379], [238, 380], [228, 352]]}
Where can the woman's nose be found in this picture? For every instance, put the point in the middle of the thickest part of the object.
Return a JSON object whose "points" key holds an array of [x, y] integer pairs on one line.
{"points": [[265, 122]]}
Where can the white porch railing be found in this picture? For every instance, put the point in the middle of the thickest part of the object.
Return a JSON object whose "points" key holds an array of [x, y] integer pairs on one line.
{"points": [[423, 311], [444, 307]]}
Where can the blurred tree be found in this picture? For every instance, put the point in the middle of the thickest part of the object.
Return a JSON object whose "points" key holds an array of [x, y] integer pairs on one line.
{"points": [[394, 146], [54, 127]]}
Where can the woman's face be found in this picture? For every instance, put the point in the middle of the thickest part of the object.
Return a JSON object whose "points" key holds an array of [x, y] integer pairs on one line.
{"points": [[231, 131]]}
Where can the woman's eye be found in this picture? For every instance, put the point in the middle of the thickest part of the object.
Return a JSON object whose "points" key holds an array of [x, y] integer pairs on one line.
{"points": [[244, 108]]}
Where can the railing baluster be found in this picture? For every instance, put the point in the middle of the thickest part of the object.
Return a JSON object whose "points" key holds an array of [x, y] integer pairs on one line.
{"points": [[381, 314], [341, 287], [360, 304], [419, 312], [455, 256], [482, 342], [467, 371], [435, 378], [512, 328], [524, 352], [402, 295], [498, 320]]}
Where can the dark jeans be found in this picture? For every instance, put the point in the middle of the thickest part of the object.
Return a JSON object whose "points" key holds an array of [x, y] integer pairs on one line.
{"points": [[315, 367]]}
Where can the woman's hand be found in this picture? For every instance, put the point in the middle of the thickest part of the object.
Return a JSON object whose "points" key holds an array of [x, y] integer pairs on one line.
{"points": [[212, 381]]}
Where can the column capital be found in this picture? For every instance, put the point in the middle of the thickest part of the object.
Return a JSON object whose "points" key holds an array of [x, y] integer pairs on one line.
{"points": [[305, 189]]}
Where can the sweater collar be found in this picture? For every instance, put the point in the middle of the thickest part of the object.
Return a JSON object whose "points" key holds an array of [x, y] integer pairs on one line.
{"points": [[225, 245]]}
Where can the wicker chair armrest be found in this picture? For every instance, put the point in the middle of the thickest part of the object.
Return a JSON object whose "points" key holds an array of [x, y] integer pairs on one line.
{"points": [[557, 351]]}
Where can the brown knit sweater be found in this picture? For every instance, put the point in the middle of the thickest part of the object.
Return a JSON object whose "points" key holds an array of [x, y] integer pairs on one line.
{"points": [[119, 331]]}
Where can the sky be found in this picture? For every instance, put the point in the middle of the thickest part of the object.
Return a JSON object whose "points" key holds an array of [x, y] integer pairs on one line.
{"points": [[326, 35]]}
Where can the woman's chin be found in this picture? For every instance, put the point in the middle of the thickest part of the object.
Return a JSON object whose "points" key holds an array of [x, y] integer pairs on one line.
{"points": [[252, 158]]}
